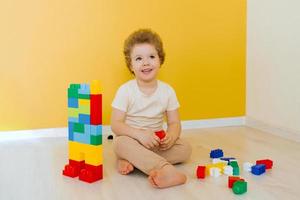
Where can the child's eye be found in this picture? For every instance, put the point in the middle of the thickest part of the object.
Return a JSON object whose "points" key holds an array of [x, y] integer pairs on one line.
{"points": [[138, 58], [152, 56]]}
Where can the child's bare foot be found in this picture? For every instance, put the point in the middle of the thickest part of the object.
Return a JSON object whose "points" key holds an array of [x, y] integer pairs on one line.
{"points": [[124, 167], [166, 177]]}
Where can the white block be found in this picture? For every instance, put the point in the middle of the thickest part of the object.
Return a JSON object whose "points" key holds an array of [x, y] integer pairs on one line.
{"points": [[247, 166], [228, 170], [215, 172]]}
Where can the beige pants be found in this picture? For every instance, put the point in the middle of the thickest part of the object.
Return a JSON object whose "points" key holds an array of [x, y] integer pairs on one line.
{"points": [[146, 160]]}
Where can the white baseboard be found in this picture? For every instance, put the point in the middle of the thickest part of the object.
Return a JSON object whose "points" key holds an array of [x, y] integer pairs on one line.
{"points": [[279, 131], [63, 132]]}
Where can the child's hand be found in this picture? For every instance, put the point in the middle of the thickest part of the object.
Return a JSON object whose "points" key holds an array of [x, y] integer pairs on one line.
{"points": [[167, 142], [148, 139]]}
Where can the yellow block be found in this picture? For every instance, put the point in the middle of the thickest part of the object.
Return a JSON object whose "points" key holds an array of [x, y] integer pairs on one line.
{"points": [[219, 165], [95, 87], [92, 154], [82, 102], [84, 109]]}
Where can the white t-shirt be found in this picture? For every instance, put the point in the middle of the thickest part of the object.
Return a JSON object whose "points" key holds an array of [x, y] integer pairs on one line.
{"points": [[142, 110]]}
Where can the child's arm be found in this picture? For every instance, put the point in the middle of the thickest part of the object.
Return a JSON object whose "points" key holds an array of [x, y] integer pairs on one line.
{"points": [[173, 129], [118, 126]]}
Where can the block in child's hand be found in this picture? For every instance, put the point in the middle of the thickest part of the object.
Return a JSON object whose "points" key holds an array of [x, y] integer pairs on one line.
{"points": [[161, 134]]}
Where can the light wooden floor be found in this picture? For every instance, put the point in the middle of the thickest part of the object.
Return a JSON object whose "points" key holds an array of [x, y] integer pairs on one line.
{"points": [[31, 169]]}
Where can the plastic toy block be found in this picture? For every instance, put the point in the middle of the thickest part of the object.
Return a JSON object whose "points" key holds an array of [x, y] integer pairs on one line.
{"points": [[96, 109], [81, 138], [215, 172], [84, 96], [96, 129], [84, 102], [78, 127], [96, 139], [87, 129], [91, 173], [201, 172], [72, 102], [73, 168], [73, 92], [233, 179], [239, 187], [161, 134], [84, 89], [84, 109], [218, 160], [228, 170], [95, 87], [258, 169], [70, 131], [247, 166], [73, 119], [216, 153], [73, 112], [84, 119], [92, 154], [267, 162], [235, 166]]}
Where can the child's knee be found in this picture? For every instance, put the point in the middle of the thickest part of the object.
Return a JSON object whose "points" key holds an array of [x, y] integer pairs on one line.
{"points": [[186, 150], [121, 143]]}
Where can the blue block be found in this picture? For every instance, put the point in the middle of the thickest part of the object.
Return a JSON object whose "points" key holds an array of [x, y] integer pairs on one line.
{"points": [[84, 89], [72, 102], [96, 129], [84, 119], [258, 169], [73, 119], [81, 138], [87, 129], [216, 153], [70, 130]]}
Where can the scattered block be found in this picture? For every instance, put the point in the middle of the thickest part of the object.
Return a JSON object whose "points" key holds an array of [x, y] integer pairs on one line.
{"points": [[228, 170], [201, 172], [247, 166], [233, 179], [258, 169], [216, 153], [239, 187], [267, 162], [235, 166], [215, 172], [161, 134]]}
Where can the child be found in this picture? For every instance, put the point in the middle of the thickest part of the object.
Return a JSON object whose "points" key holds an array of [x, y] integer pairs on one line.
{"points": [[139, 108]]}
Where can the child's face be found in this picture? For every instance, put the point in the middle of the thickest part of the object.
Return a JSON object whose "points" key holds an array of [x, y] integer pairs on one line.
{"points": [[145, 62]]}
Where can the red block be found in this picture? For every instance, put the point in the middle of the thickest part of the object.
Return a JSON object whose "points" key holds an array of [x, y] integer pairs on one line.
{"points": [[96, 109], [73, 168], [201, 172], [267, 162], [91, 173], [233, 179], [161, 134]]}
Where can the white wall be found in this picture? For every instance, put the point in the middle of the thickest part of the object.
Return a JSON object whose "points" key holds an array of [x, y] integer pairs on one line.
{"points": [[273, 64]]}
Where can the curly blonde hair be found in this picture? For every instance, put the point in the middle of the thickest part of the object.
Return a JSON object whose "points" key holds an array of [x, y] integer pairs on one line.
{"points": [[143, 36]]}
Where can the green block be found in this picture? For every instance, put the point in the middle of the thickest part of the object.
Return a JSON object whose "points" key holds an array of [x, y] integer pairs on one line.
{"points": [[84, 109], [96, 139], [73, 90], [75, 86], [236, 171], [239, 187], [83, 96], [78, 128], [73, 112]]}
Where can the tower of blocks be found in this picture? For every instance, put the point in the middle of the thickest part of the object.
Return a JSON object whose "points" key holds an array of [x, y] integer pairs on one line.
{"points": [[85, 132]]}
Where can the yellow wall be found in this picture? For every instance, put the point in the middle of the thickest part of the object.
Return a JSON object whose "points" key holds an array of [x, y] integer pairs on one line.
{"points": [[45, 45]]}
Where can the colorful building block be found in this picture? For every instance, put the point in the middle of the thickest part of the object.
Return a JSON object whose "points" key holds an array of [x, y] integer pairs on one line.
{"points": [[258, 169], [201, 172], [235, 167], [267, 162], [216, 153], [239, 187], [232, 180], [161, 134]]}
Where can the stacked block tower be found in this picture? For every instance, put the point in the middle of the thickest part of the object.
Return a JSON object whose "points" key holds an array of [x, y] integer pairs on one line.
{"points": [[85, 132]]}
